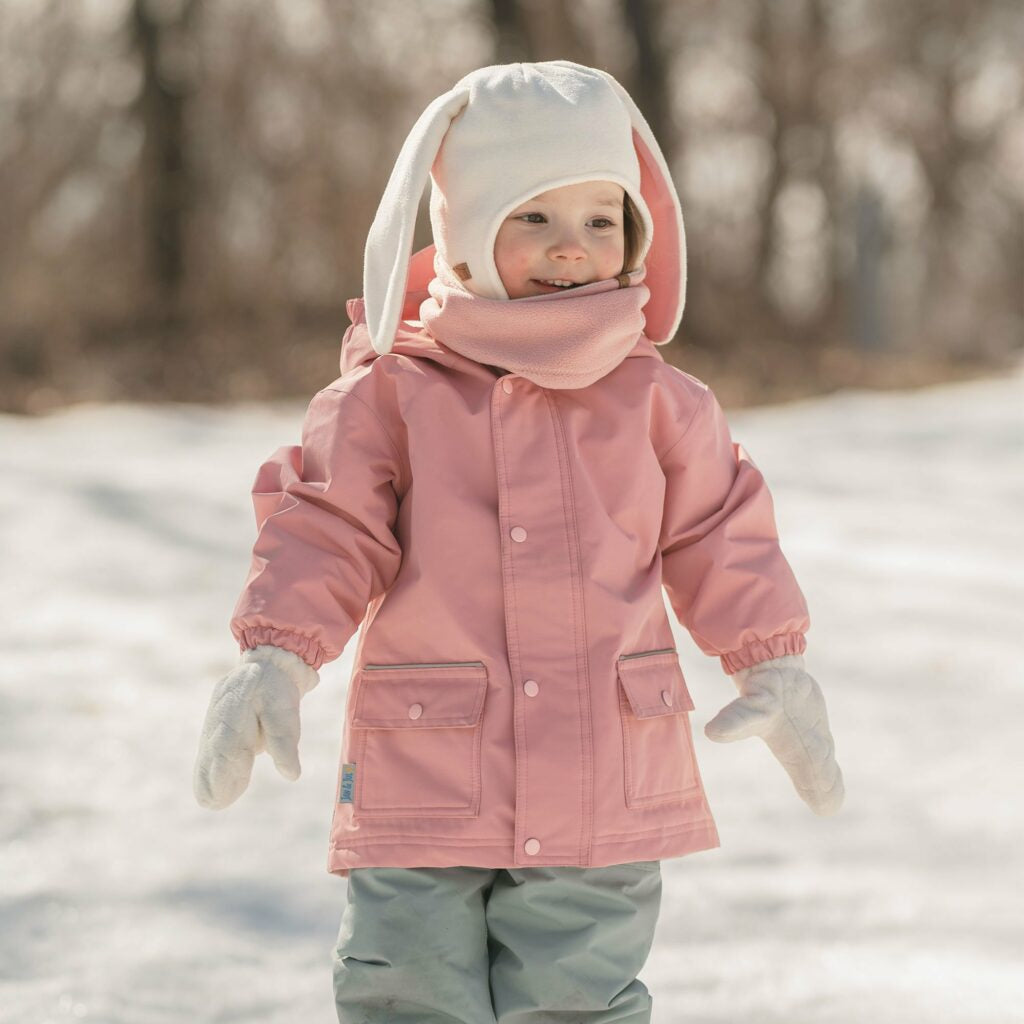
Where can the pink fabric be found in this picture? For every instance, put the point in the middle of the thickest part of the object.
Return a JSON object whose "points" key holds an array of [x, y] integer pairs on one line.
{"points": [[560, 340], [666, 259], [515, 685]]}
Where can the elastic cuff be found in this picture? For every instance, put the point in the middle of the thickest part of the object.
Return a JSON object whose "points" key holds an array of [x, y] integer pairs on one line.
{"points": [[756, 651], [308, 649]]}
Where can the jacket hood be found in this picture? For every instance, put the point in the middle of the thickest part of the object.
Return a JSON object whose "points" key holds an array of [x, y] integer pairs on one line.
{"points": [[412, 339]]}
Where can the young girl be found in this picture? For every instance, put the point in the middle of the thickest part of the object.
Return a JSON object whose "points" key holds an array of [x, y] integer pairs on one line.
{"points": [[497, 487]]}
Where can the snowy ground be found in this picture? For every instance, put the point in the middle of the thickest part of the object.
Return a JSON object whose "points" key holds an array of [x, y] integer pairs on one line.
{"points": [[125, 534]]}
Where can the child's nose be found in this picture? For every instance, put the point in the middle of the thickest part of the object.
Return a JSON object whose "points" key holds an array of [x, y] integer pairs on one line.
{"points": [[567, 246]]}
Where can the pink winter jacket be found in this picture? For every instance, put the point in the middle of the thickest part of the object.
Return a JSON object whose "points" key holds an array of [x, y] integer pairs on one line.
{"points": [[516, 698]]}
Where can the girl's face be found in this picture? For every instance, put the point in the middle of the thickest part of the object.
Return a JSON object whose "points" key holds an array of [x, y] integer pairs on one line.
{"points": [[570, 234]]}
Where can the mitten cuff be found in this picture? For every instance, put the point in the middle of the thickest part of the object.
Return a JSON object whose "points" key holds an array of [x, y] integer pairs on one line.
{"points": [[304, 677]]}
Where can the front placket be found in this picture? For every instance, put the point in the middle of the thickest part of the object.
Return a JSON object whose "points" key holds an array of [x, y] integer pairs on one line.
{"points": [[545, 626]]}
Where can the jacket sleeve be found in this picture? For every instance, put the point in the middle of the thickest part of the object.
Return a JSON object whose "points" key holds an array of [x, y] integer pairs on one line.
{"points": [[325, 512], [726, 577]]}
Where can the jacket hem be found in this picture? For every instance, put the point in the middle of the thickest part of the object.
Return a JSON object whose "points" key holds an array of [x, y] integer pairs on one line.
{"points": [[436, 852]]}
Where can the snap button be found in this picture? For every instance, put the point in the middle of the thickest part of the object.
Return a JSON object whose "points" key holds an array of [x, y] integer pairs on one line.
{"points": [[532, 846], [531, 687], [518, 533], [666, 698], [506, 386], [415, 710]]}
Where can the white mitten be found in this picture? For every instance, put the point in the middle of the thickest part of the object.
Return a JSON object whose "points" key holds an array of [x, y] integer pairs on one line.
{"points": [[783, 705], [254, 707]]}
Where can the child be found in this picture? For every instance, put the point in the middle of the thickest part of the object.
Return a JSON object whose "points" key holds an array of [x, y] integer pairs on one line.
{"points": [[497, 487]]}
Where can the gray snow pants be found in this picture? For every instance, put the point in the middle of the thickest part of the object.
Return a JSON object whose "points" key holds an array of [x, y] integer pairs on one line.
{"points": [[497, 946]]}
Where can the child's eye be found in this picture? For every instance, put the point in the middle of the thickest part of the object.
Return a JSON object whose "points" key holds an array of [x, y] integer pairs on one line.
{"points": [[601, 222]]}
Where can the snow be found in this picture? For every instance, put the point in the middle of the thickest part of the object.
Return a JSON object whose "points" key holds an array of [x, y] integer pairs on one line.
{"points": [[125, 538]]}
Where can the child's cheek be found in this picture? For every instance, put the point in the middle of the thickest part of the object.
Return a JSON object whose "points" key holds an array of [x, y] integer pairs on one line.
{"points": [[524, 262], [612, 257], [517, 263]]}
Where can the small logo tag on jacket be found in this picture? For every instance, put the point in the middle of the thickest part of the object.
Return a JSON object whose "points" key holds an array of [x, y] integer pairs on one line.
{"points": [[348, 781]]}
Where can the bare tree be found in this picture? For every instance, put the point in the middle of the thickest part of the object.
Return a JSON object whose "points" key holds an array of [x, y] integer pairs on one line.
{"points": [[648, 79], [187, 187], [162, 35]]}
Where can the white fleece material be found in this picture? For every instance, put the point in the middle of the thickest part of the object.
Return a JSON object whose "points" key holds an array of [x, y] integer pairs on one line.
{"points": [[783, 705], [255, 707], [501, 135]]}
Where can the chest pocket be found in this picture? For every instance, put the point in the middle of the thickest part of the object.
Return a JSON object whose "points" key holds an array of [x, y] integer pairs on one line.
{"points": [[654, 705], [416, 732]]}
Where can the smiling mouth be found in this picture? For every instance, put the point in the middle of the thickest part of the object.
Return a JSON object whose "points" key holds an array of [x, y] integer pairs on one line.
{"points": [[557, 287]]}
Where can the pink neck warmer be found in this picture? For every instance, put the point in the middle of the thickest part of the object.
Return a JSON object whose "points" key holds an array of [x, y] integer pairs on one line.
{"points": [[562, 340]]}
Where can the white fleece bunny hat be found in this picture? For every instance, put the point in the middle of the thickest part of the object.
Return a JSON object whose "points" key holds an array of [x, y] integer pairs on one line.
{"points": [[510, 132]]}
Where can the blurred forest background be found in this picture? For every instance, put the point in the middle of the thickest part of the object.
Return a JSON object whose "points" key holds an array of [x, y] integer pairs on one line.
{"points": [[186, 185]]}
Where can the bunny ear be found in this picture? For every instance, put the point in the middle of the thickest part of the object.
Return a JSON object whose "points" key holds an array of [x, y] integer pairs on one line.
{"points": [[666, 258], [389, 241]]}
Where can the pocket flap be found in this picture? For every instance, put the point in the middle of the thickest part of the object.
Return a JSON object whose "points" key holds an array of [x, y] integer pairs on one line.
{"points": [[654, 684], [420, 697]]}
